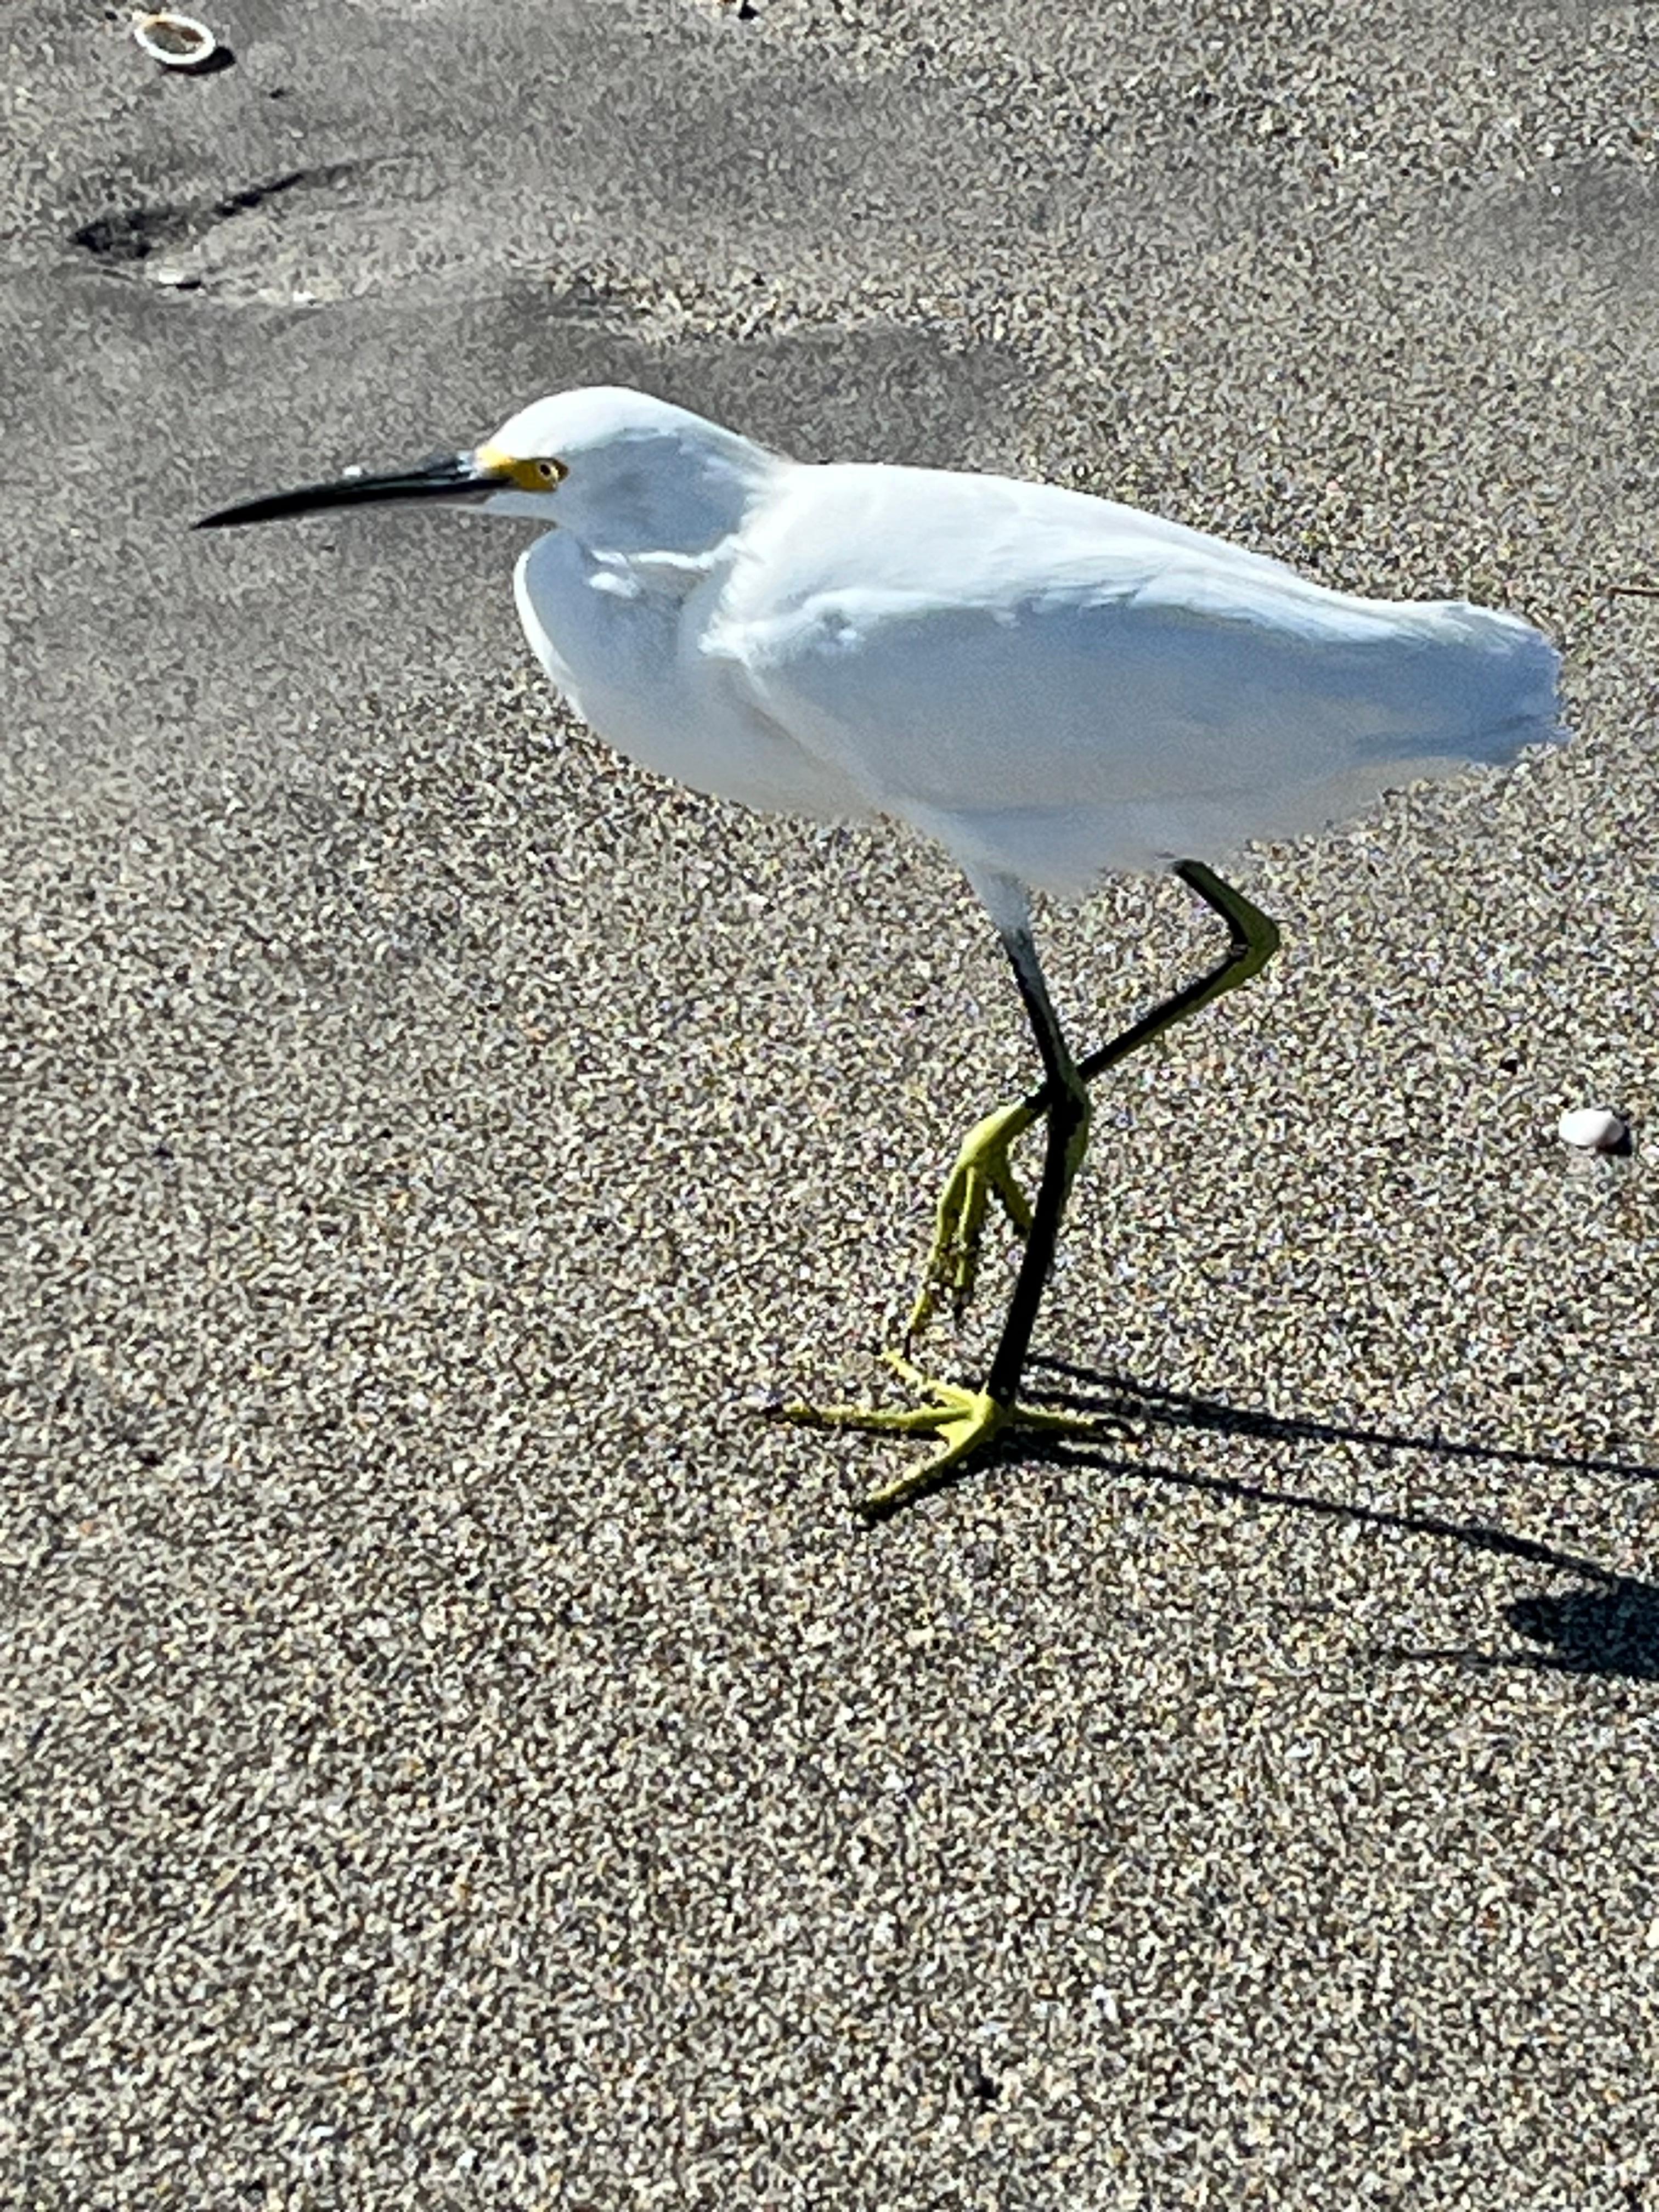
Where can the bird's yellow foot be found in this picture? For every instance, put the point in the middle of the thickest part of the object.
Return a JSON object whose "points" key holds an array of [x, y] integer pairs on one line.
{"points": [[964, 1421], [981, 1172]]}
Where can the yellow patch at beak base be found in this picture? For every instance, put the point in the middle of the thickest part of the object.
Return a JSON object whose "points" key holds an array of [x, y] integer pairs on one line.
{"points": [[540, 473]]}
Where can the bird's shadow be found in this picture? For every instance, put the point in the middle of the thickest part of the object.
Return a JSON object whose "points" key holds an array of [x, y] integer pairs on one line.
{"points": [[1609, 1626]]}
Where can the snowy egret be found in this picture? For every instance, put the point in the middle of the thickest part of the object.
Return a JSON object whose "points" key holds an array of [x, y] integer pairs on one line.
{"points": [[1050, 685]]}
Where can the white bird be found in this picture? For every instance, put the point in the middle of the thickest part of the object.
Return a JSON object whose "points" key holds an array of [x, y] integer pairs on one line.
{"points": [[1050, 685]]}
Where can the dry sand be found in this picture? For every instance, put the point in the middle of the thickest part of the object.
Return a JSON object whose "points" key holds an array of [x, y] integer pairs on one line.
{"points": [[455, 1755]]}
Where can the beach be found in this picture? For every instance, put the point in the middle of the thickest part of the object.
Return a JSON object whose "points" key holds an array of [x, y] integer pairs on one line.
{"points": [[460, 1751]]}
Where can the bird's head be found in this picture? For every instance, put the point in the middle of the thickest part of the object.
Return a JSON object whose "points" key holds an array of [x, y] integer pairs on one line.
{"points": [[621, 471]]}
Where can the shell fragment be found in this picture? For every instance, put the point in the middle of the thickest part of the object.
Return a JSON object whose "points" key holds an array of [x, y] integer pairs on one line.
{"points": [[178, 42], [1593, 1129]]}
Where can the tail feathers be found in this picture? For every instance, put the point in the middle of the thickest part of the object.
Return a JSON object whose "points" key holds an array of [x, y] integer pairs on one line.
{"points": [[1485, 687]]}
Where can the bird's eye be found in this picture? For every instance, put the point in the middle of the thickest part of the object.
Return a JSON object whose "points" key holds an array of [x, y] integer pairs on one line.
{"points": [[549, 471]]}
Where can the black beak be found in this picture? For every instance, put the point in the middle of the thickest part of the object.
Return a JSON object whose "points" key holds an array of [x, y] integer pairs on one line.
{"points": [[446, 476]]}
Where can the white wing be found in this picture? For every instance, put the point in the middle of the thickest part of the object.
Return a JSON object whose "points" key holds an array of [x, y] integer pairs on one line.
{"points": [[1055, 685]]}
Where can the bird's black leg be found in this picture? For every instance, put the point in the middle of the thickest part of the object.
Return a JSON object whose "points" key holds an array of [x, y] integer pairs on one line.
{"points": [[965, 1421], [1065, 1099], [1254, 941], [982, 1170]]}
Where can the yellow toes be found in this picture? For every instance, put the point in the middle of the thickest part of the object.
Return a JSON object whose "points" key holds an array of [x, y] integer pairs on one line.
{"points": [[963, 1421], [982, 1171]]}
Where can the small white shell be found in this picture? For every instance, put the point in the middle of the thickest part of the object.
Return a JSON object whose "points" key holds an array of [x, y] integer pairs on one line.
{"points": [[1592, 1129], [178, 42]]}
